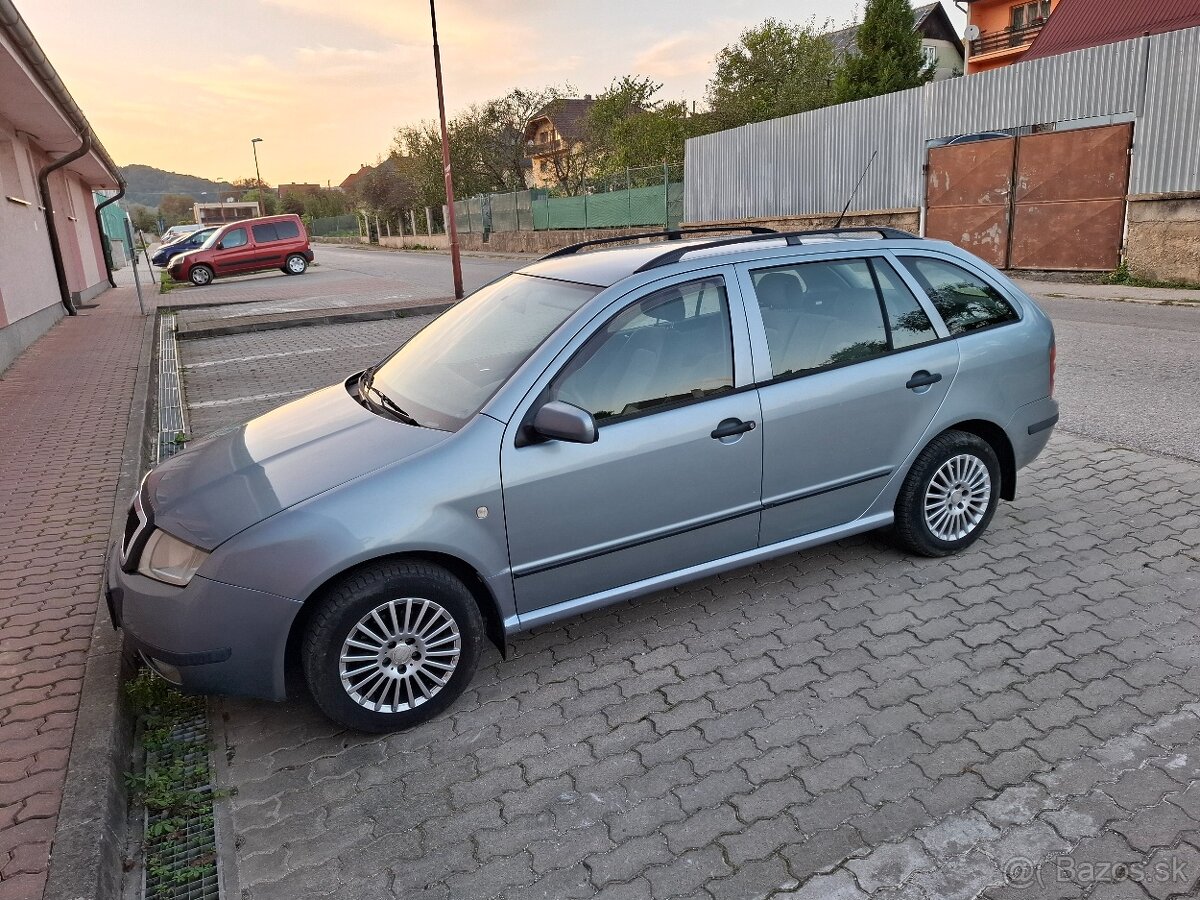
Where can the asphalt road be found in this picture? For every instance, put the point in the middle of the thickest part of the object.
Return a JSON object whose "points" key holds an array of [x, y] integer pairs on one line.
{"points": [[1129, 373], [344, 276]]}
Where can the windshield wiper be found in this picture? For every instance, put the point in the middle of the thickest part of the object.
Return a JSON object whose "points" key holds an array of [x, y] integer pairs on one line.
{"points": [[366, 384]]}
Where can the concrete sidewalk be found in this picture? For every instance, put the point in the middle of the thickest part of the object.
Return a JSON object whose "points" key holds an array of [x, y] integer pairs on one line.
{"points": [[1123, 293], [65, 404]]}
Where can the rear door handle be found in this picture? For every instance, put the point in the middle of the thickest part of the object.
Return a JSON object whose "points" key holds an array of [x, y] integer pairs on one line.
{"points": [[922, 379], [732, 427]]}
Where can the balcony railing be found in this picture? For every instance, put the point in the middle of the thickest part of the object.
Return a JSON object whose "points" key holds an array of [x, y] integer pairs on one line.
{"points": [[544, 148], [1009, 37]]}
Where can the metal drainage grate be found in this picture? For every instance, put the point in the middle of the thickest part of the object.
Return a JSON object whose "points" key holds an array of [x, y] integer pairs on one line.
{"points": [[172, 422], [180, 848]]}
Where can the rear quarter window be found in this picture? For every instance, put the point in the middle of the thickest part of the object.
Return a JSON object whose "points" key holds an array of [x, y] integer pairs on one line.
{"points": [[286, 230], [964, 301]]}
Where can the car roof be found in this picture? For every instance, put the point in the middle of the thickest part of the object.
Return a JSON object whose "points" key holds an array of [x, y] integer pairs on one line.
{"points": [[606, 267]]}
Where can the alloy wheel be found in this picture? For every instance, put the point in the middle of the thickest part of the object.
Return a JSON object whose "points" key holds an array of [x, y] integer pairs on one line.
{"points": [[957, 498], [399, 655]]}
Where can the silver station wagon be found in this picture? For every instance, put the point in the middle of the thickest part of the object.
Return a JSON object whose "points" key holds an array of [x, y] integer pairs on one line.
{"points": [[603, 423]]}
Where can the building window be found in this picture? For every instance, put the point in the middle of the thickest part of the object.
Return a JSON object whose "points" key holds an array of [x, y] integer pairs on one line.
{"points": [[930, 55], [1032, 13]]}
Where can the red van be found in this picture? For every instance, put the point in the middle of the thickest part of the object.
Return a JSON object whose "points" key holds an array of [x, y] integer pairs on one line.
{"points": [[251, 245]]}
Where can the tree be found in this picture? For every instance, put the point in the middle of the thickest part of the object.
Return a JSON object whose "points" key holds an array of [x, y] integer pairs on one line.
{"points": [[775, 69], [143, 218], [888, 57], [293, 203], [176, 209], [487, 147], [628, 127]]}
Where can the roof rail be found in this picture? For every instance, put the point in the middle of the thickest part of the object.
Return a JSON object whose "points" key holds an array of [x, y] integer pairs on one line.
{"points": [[673, 234], [792, 237]]}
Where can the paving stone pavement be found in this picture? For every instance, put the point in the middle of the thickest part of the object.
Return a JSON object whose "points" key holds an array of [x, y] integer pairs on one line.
{"points": [[64, 405], [1018, 721]]}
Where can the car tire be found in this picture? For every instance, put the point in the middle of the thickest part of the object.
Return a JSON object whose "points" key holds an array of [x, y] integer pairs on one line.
{"points": [[295, 264], [200, 275], [949, 496], [391, 646]]}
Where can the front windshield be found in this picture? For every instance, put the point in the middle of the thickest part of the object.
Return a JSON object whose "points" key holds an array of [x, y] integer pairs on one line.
{"points": [[445, 374]]}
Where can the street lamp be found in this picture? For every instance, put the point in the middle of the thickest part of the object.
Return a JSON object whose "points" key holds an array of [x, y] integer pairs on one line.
{"points": [[254, 142]]}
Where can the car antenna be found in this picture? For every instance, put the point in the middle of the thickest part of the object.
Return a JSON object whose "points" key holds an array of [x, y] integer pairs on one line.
{"points": [[850, 199]]}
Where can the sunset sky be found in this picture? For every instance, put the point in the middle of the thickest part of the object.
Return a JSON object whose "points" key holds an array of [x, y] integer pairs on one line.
{"points": [[184, 86]]}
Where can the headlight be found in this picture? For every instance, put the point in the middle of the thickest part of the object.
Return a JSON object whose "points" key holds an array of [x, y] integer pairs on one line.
{"points": [[166, 558]]}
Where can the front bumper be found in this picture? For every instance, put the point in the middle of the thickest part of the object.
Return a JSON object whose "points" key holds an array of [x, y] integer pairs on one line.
{"points": [[209, 637]]}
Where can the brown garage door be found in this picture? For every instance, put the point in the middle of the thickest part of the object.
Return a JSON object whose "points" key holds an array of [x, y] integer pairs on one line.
{"points": [[967, 196], [1059, 205], [1069, 203]]}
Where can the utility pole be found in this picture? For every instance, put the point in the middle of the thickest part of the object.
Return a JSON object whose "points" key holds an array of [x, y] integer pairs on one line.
{"points": [[451, 225], [262, 201]]}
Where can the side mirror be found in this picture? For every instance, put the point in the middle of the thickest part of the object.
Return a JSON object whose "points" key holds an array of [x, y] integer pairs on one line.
{"points": [[563, 422]]}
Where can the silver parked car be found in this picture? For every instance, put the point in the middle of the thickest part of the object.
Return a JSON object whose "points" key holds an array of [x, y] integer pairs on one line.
{"points": [[595, 426]]}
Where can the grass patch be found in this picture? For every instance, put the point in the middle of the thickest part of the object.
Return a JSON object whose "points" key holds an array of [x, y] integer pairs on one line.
{"points": [[1121, 275], [166, 283], [175, 788]]}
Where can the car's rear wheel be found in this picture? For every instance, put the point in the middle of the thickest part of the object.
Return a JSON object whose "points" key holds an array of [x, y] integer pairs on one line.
{"points": [[295, 264], [200, 275], [949, 496], [391, 646]]}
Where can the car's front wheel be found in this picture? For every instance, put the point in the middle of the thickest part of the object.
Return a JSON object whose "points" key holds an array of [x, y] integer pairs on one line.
{"points": [[392, 645], [295, 264], [949, 496], [200, 275]]}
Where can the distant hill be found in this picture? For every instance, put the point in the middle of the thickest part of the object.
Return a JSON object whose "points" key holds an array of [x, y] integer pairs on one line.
{"points": [[147, 185]]}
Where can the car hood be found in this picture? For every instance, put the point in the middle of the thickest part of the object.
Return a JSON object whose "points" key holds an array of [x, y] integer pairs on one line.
{"points": [[229, 481]]}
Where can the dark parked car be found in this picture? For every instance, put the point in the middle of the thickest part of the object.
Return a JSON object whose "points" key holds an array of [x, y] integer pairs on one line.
{"points": [[192, 241]]}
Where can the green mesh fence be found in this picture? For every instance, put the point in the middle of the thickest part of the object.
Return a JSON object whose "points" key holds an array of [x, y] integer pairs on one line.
{"points": [[336, 226], [658, 204]]}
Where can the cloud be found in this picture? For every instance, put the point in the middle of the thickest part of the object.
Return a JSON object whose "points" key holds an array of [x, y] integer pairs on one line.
{"points": [[680, 56]]}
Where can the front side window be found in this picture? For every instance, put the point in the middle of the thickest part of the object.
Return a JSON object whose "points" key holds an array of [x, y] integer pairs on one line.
{"points": [[672, 347], [445, 374], [234, 238], [965, 301]]}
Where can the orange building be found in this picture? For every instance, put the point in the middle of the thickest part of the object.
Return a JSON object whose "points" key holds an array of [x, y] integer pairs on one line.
{"points": [[1000, 31]]}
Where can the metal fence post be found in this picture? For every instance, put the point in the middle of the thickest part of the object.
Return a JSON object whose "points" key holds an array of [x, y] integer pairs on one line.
{"points": [[666, 198]]}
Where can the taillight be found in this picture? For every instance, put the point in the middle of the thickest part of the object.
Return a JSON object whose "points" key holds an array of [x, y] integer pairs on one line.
{"points": [[1053, 365]]}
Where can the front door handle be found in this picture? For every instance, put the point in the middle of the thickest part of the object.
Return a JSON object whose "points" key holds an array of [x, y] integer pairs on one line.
{"points": [[922, 379], [731, 428]]}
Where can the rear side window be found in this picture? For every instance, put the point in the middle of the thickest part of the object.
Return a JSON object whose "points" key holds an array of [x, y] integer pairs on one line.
{"points": [[286, 229], [907, 322], [820, 314], [965, 301], [264, 234]]}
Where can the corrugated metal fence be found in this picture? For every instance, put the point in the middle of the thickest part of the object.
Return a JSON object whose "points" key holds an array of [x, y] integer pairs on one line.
{"points": [[809, 163]]}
